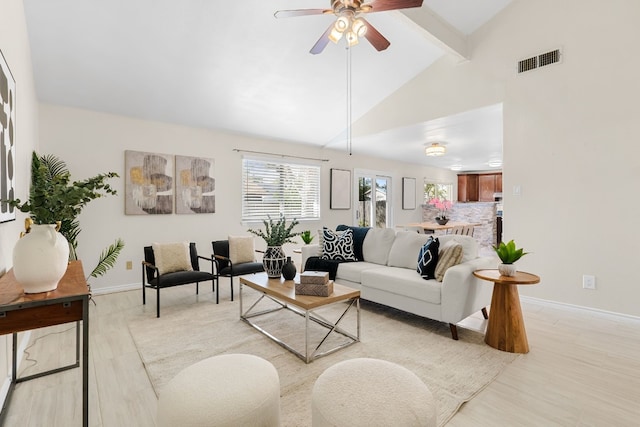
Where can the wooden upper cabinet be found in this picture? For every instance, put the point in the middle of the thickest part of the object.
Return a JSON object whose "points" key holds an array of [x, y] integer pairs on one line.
{"points": [[468, 188], [489, 184]]}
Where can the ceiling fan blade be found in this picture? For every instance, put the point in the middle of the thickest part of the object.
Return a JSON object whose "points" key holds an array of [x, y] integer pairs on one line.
{"points": [[300, 12], [382, 5], [322, 42], [374, 37]]}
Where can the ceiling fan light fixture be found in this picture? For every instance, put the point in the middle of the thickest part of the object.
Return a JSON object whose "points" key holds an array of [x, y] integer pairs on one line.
{"points": [[352, 38], [435, 149], [335, 35], [341, 24], [359, 28]]}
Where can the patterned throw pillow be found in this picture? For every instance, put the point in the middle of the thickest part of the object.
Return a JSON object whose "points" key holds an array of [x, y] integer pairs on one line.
{"points": [[172, 257], [428, 258], [450, 255], [337, 245]]}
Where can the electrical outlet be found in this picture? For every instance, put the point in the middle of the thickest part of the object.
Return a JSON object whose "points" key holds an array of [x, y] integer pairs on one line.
{"points": [[129, 265], [588, 281]]}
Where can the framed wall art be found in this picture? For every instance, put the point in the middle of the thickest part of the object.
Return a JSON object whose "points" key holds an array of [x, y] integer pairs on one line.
{"points": [[408, 193], [7, 140], [148, 183], [195, 185], [340, 189]]}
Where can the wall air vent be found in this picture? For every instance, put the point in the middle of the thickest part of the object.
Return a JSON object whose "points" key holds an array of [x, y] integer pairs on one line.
{"points": [[538, 61]]}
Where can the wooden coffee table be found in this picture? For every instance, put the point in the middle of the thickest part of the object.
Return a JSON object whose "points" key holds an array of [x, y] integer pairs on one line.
{"points": [[505, 330], [282, 292]]}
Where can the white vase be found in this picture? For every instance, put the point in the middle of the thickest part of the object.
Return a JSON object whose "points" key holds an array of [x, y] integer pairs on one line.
{"points": [[40, 259], [507, 269]]}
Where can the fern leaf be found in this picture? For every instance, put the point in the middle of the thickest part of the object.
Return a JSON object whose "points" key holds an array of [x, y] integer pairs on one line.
{"points": [[108, 258]]}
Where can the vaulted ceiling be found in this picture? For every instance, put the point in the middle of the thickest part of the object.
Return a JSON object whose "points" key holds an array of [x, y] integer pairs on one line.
{"points": [[233, 66]]}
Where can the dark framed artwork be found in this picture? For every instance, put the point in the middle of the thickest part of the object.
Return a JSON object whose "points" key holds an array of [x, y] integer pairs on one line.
{"points": [[148, 183], [7, 140], [340, 189], [408, 193], [195, 185]]}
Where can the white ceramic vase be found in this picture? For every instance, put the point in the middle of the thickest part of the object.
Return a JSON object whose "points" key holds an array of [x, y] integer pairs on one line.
{"points": [[40, 259], [507, 269]]}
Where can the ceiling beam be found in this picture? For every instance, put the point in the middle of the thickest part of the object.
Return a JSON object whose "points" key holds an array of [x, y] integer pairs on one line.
{"points": [[437, 30]]}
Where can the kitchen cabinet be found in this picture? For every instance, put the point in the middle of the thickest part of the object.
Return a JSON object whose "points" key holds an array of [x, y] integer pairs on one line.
{"points": [[468, 188], [488, 185]]}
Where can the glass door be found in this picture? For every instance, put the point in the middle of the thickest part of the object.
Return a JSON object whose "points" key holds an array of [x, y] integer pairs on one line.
{"points": [[374, 200]]}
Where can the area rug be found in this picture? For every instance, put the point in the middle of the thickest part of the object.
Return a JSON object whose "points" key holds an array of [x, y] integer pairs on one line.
{"points": [[454, 371]]}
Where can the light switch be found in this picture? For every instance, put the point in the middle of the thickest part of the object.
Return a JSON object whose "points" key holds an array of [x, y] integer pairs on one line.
{"points": [[517, 191]]}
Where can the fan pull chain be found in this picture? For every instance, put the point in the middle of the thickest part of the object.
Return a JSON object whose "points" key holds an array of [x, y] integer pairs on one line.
{"points": [[349, 143]]}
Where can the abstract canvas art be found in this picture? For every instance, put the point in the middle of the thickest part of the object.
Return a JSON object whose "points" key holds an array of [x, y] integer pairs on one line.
{"points": [[149, 183], [7, 140], [195, 185]]}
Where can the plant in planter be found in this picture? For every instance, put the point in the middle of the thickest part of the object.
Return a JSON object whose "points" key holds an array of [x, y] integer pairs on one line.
{"points": [[54, 199], [306, 236], [508, 254], [275, 234], [442, 205]]}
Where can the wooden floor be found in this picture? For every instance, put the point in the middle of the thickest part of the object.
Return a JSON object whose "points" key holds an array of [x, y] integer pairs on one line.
{"points": [[583, 369]]}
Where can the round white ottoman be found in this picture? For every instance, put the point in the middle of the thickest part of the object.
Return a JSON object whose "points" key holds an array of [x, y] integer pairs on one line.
{"points": [[226, 390], [371, 392]]}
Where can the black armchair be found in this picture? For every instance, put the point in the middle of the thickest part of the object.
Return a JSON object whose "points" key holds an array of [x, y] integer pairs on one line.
{"points": [[157, 281], [224, 267]]}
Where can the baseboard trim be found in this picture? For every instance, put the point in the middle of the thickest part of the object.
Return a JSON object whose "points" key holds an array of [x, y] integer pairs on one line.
{"points": [[119, 288], [579, 307]]}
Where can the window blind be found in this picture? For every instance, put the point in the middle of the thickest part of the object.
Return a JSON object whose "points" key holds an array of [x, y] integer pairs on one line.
{"points": [[273, 188]]}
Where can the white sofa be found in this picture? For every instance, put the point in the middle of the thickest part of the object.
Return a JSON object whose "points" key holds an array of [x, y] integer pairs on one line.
{"points": [[388, 276]]}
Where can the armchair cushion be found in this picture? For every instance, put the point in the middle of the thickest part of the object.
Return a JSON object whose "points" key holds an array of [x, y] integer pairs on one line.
{"points": [[241, 249], [172, 257]]}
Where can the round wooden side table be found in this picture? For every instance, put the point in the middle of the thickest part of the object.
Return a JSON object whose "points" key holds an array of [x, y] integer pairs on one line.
{"points": [[505, 330]]}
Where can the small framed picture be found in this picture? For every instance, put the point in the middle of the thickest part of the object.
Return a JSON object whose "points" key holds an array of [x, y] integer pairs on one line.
{"points": [[408, 193], [340, 189]]}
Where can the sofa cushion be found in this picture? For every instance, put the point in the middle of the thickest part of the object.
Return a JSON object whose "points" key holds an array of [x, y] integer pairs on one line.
{"points": [[171, 257], [405, 249], [450, 254], [377, 244], [337, 245], [428, 259], [402, 281], [352, 271], [469, 245], [315, 263], [359, 233]]}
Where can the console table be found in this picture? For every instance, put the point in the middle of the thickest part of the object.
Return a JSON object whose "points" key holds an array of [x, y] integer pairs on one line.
{"points": [[505, 330], [21, 312]]}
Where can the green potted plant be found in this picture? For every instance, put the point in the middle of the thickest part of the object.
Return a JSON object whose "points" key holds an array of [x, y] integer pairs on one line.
{"points": [[306, 236], [508, 254], [53, 198], [275, 234]]}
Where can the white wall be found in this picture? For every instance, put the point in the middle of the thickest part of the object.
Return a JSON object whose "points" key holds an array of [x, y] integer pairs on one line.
{"points": [[14, 44], [570, 139], [91, 143]]}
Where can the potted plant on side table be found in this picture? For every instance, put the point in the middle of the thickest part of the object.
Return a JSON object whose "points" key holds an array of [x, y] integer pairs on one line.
{"points": [[508, 254], [41, 255], [275, 234]]}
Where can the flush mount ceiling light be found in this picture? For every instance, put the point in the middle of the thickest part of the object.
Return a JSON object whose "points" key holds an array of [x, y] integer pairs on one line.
{"points": [[456, 167], [495, 163], [435, 149]]}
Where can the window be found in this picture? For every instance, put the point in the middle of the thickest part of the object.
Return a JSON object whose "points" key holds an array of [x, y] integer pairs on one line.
{"points": [[272, 188], [434, 190]]}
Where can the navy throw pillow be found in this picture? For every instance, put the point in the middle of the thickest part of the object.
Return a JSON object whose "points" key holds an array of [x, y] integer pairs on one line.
{"points": [[428, 258]]}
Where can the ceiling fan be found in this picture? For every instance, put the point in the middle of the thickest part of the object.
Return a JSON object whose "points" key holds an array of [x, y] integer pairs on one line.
{"points": [[350, 22]]}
